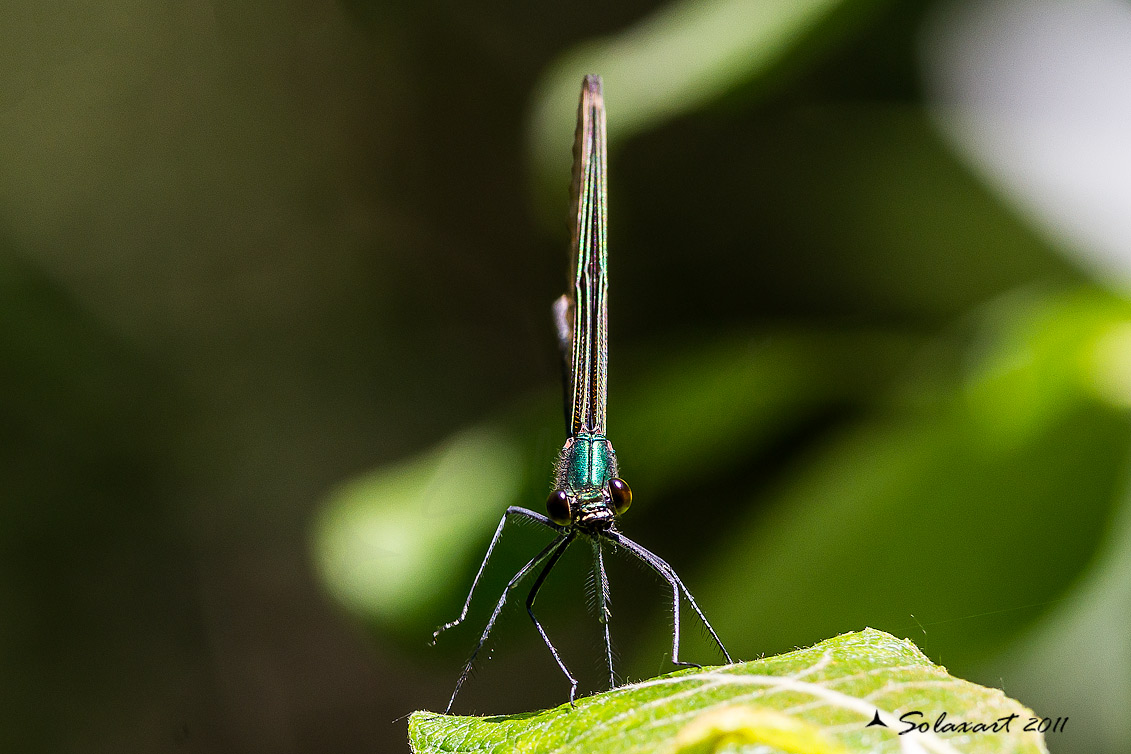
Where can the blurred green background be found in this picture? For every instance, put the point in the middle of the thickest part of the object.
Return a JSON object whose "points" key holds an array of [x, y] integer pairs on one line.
{"points": [[275, 353]]}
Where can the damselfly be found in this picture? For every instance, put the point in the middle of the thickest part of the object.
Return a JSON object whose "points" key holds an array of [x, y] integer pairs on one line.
{"points": [[588, 494]]}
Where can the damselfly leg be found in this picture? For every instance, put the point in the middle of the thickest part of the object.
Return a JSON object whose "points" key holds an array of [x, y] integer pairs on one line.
{"points": [[604, 615], [550, 563], [531, 564], [510, 513], [660, 566]]}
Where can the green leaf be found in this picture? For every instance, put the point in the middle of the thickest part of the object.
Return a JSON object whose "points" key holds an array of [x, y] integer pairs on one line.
{"points": [[817, 700]]}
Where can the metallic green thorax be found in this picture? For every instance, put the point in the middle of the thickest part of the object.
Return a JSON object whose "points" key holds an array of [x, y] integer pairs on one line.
{"points": [[586, 465]]}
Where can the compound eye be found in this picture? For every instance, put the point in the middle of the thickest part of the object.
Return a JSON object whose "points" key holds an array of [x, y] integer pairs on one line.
{"points": [[557, 506], [621, 494]]}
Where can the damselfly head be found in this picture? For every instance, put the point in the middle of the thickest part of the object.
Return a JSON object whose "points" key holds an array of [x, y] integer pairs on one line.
{"points": [[591, 508]]}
